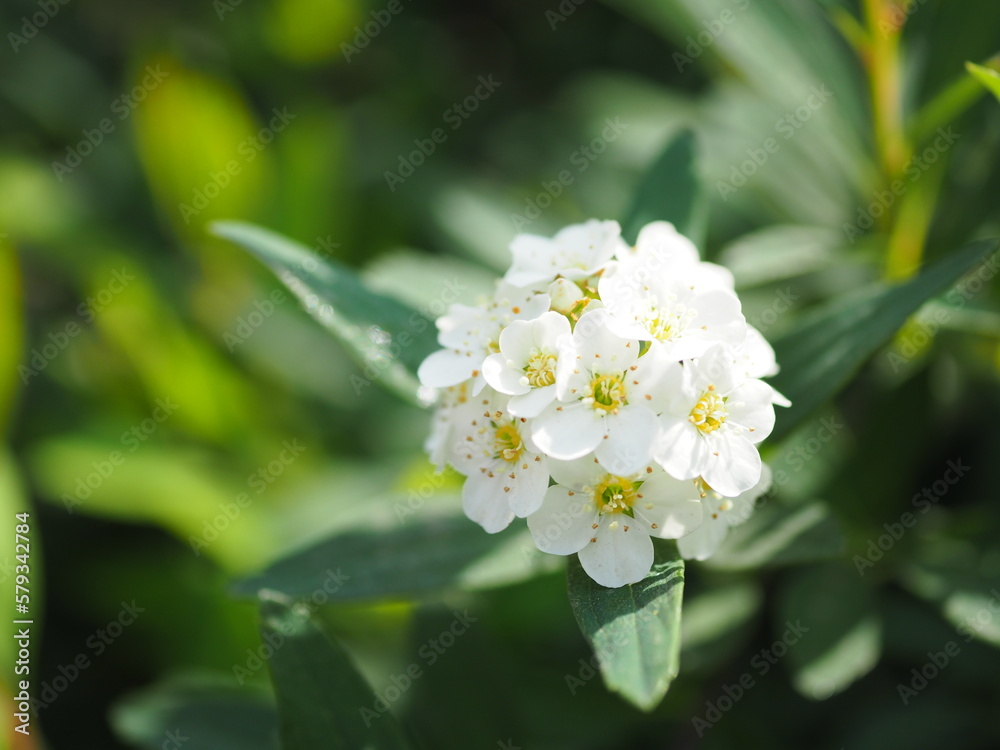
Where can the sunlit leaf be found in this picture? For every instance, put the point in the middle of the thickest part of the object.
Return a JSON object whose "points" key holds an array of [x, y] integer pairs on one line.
{"points": [[819, 356], [152, 484], [389, 338], [199, 146], [308, 31], [989, 77], [635, 630]]}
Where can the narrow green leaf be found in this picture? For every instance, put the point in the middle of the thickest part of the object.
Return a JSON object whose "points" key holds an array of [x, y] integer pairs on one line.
{"points": [[945, 108], [778, 535], [426, 555], [989, 77], [197, 717], [821, 354], [321, 695], [385, 334], [842, 638], [670, 191], [635, 630]]}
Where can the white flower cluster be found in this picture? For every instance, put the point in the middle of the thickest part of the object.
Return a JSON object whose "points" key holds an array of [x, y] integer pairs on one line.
{"points": [[627, 375]]}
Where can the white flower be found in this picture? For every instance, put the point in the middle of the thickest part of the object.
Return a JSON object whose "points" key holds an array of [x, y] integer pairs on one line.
{"points": [[660, 250], [471, 334], [712, 420], [662, 293], [681, 320], [525, 367], [609, 519], [720, 513], [754, 358], [505, 474], [602, 398], [441, 440], [576, 252], [629, 376]]}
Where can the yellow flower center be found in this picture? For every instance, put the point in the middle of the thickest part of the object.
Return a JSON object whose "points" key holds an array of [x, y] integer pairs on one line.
{"points": [[709, 414], [607, 392], [507, 443], [660, 329], [541, 369], [665, 321], [616, 495]]}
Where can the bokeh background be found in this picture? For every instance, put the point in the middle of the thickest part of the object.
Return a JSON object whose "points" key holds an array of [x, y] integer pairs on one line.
{"points": [[152, 375]]}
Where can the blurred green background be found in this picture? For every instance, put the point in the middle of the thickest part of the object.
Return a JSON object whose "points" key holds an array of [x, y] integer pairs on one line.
{"points": [[153, 377]]}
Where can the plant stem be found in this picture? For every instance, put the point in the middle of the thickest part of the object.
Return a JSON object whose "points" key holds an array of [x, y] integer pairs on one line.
{"points": [[885, 74]]}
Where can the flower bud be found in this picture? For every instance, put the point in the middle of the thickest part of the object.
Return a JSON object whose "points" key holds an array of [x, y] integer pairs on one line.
{"points": [[565, 295]]}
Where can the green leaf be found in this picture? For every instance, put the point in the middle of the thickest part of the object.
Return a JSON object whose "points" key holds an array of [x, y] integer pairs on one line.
{"points": [[780, 252], [844, 637], [778, 535], [635, 630], [426, 555], [205, 716], [989, 77], [961, 579], [718, 619], [386, 335], [820, 355], [946, 107], [321, 695], [670, 192]]}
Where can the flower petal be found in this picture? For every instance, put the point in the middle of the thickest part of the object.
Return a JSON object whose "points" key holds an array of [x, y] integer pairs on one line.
{"points": [[532, 403], [669, 517], [617, 556], [715, 367], [447, 367], [751, 407], [598, 350], [681, 450], [702, 543], [567, 431], [503, 378], [577, 474], [563, 525], [778, 398], [660, 241], [733, 466], [720, 317], [485, 502], [627, 446], [529, 481], [516, 341]]}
